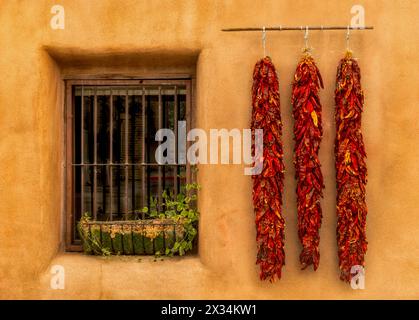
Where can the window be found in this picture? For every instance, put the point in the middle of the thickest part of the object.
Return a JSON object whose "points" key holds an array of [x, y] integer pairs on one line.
{"points": [[111, 169]]}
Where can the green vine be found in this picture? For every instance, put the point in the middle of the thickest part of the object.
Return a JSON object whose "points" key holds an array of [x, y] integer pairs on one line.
{"points": [[180, 208], [91, 241]]}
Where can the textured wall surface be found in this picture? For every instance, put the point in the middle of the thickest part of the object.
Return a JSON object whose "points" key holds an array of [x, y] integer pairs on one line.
{"points": [[144, 37]]}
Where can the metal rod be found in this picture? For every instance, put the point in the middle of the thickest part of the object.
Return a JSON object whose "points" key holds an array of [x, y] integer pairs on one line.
{"points": [[143, 155], [148, 152], [300, 28], [95, 155], [159, 169], [175, 120], [188, 116], [119, 158], [82, 150], [102, 137], [133, 131], [126, 154], [111, 155], [69, 109]]}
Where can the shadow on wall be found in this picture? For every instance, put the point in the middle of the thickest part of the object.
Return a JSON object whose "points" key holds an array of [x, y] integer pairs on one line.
{"points": [[147, 63]]}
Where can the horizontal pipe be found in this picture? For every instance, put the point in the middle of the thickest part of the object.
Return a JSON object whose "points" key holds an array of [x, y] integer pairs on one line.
{"points": [[300, 28]]}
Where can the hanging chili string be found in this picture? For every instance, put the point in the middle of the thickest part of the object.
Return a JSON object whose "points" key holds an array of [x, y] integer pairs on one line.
{"points": [[268, 185], [351, 171], [307, 135]]}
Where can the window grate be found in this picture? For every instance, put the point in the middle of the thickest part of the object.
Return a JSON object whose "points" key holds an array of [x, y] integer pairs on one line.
{"points": [[111, 167]]}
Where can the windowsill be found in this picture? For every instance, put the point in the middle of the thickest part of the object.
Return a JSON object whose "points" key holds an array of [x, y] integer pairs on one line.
{"points": [[116, 277], [125, 258]]}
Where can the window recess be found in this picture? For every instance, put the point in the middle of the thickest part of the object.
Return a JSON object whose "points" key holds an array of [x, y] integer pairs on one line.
{"points": [[111, 170]]}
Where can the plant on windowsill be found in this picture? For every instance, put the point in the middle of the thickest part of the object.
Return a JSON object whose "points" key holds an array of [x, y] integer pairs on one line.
{"points": [[168, 231]]}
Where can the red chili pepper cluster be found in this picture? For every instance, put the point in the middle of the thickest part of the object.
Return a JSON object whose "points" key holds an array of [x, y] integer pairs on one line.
{"points": [[351, 171], [268, 186], [307, 135]]}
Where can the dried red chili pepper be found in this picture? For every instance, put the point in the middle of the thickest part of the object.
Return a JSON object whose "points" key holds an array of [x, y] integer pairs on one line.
{"points": [[269, 184], [351, 171], [307, 135]]}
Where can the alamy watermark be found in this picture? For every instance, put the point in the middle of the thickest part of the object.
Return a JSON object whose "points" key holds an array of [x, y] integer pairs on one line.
{"points": [[219, 147], [58, 19], [57, 281], [358, 18], [357, 277]]}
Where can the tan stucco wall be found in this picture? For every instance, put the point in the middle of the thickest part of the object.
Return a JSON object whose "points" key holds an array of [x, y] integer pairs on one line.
{"points": [[110, 36]]}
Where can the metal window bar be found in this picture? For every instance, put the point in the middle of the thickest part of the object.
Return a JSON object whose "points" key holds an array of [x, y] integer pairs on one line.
{"points": [[70, 174], [95, 155], [165, 124], [143, 153], [133, 160], [175, 120], [103, 171], [148, 119], [188, 127], [119, 159], [126, 153], [82, 151], [159, 168], [111, 155]]}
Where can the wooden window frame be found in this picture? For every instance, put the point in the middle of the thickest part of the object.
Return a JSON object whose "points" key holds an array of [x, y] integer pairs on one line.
{"points": [[72, 244]]}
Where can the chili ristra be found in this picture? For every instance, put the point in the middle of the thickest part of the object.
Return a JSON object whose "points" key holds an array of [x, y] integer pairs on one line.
{"points": [[351, 171], [269, 184], [307, 112]]}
